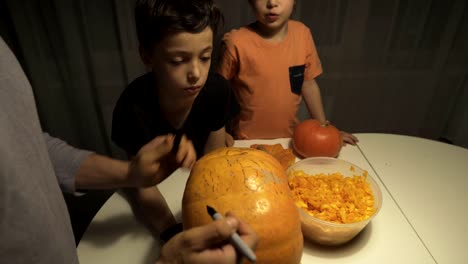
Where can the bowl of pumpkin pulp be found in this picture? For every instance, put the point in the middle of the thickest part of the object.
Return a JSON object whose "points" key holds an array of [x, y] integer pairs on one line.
{"points": [[336, 199]]}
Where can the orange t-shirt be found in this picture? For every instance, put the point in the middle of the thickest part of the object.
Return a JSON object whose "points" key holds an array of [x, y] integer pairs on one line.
{"points": [[267, 78]]}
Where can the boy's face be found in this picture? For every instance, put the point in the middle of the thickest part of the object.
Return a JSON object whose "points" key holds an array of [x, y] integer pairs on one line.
{"points": [[273, 13], [181, 62]]}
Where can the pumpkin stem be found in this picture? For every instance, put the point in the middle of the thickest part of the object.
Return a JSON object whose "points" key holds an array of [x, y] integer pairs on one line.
{"points": [[325, 124]]}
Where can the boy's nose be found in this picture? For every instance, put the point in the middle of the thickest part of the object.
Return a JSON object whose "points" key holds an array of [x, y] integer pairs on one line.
{"points": [[194, 74], [272, 3]]}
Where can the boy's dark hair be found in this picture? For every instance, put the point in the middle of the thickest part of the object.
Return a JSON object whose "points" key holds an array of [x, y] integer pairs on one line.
{"points": [[155, 19]]}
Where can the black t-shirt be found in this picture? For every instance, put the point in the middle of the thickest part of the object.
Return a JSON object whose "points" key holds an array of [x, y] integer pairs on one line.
{"points": [[137, 117]]}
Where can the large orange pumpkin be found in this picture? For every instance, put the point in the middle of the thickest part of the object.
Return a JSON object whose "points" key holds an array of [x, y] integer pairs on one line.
{"points": [[313, 139], [253, 185]]}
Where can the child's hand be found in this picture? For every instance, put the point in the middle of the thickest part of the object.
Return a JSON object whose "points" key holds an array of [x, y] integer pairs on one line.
{"points": [[229, 140], [348, 138], [155, 162], [186, 155]]}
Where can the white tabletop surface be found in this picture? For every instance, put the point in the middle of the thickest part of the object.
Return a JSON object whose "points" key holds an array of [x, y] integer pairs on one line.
{"points": [[429, 181], [115, 237]]}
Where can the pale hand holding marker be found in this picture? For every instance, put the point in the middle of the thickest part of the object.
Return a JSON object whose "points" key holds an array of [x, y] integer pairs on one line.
{"points": [[236, 241]]}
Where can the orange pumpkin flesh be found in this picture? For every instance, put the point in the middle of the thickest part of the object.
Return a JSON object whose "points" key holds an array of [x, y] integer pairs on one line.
{"points": [[252, 185], [286, 157], [313, 139]]}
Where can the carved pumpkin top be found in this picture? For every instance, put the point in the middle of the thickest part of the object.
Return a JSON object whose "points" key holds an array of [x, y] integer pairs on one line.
{"points": [[285, 157]]}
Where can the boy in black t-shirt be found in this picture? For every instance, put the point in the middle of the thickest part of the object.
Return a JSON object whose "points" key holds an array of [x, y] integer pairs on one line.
{"points": [[177, 96]]}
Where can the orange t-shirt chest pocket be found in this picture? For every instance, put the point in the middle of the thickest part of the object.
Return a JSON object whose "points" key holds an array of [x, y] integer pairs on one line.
{"points": [[296, 78]]}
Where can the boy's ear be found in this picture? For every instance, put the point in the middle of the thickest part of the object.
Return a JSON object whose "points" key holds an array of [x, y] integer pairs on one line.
{"points": [[144, 55]]}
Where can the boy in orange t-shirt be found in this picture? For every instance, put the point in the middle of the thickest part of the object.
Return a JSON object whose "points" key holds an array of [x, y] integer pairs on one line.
{"points": [[271, 64]]}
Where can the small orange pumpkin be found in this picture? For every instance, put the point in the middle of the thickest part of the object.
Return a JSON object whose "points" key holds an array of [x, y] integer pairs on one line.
{"points": [[313, 139], [253, 185]]}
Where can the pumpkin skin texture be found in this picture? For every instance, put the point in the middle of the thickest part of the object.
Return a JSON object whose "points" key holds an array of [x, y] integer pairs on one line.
{"points": [[252, 185], [313, 139]]}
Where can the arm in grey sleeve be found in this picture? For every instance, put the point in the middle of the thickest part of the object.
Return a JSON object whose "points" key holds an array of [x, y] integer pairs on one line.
{"points": [[66, 161]]}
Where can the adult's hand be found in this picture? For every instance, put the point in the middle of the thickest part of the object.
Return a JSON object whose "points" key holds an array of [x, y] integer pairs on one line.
{"points": [[208, 243]]}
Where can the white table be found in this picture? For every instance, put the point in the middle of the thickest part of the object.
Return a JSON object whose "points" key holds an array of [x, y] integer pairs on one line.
{"points": [[398, 234], [429, 181]]}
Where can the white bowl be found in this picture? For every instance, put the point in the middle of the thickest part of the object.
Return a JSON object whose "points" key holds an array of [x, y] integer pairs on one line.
{"points": [[324, 232]]}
